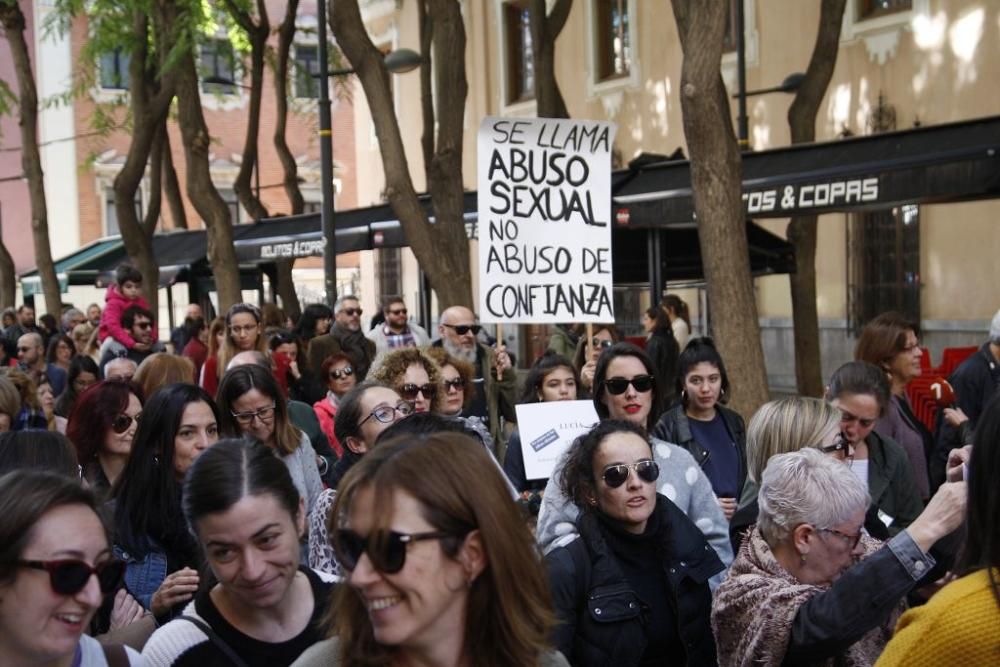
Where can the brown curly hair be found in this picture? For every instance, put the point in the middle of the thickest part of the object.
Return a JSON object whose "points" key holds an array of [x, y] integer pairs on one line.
{"points": [[465, 371], [394, 365]]}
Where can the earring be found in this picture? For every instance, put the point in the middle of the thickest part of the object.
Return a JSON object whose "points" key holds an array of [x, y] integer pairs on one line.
{"points": [[803, 558], [684, 394], [722, 392], [156, 460]]}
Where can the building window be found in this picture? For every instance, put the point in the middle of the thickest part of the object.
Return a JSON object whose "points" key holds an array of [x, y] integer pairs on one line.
{"points": [[390, 272], [883, 264], [312, 207], [613, 48], [111, 226], [114, 70], [520, 53], [868, 9], [233, 202], [729, 39], [306, 67], [218, 64]]}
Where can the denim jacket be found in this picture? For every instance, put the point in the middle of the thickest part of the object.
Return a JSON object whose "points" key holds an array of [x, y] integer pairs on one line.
{"points": [[143, 574]]}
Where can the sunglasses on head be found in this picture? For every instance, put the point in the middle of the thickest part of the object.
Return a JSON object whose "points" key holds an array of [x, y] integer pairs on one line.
{"points": [[122, 423], [616, 475], [462, 329], [642, 384], [344, 372], [351, 312], [68, 577], [387, 552], [409, 391]]}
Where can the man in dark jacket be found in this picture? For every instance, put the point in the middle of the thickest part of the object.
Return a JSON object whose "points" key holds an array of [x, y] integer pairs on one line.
{"points": [[345, 336]]}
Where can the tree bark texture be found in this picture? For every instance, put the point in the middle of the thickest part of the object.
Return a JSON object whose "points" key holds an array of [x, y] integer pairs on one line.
{"points": [[201, 190], [544, 31], [286, 35], [426, 83], [31, 159], [716, 181], [442, 249], [257, 32], [172, 186], [802, 232]]}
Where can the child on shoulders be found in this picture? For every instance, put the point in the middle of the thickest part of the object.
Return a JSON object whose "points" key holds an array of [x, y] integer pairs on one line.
{"points": [[124, 292]]}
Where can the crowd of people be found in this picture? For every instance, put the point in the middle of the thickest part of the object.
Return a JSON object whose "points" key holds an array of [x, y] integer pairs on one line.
{"points": [[263, 492]]}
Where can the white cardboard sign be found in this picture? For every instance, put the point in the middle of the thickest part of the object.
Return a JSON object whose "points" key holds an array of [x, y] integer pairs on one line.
{"points": [[544, 220], [548, 429]]}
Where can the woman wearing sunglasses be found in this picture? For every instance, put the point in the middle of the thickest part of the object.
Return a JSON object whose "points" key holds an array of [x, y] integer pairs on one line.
{"points": [[589, 351], [458, 389], [632, 589], [364, 413], [713, 434], [340, 379], [551, 378], [179, 422], [625, 389], [261, 607], [101, 427], [441, 569], [251, 404], [414, 375], [797, 593], [242, 332], [52, 544], [860, 392]]}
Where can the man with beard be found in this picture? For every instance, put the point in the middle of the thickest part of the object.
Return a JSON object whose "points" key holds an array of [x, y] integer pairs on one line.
{"points": [[396, 331], [345, 336], [494, 398]]}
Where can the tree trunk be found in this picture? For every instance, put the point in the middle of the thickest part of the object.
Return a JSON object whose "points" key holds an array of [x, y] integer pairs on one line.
{"points": [[716, 180], [544, 31], [8, 278], [426, 84], [201, 190], [442, 249], [802, 230], [172, 187], [31, 159], [257, 33]]}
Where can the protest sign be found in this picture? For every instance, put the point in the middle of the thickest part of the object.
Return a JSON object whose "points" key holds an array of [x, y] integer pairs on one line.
{"points": [[544, 213], [548, 429]]}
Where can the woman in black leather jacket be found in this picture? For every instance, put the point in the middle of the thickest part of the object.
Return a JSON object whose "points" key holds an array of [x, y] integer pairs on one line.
{"points": [[714, 435], [632, 587]]}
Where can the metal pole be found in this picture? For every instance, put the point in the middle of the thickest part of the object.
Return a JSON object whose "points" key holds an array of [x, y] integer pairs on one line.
{"points": [[741, 70], [326, 162]]}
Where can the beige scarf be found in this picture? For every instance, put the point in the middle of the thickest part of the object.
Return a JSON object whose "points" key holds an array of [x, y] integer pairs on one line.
{"points": [[753, 611]]}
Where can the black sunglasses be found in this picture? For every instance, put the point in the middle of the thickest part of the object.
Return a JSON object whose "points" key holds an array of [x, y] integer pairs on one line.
{"points": [[454, 383], [388, 554], [597, 342], [462, 329], [351, 312], [68, 577], [616, 475], [143, 325], [399, 311], [409, 391], [642, 384], [122, 423], [344, 372]]}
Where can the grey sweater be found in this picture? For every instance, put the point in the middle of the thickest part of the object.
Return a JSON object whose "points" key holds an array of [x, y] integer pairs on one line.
{"points": [[305, 474], [681, 481]]}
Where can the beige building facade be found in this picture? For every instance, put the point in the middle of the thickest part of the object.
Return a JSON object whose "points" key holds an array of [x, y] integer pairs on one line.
{"points": [[911, 62]]}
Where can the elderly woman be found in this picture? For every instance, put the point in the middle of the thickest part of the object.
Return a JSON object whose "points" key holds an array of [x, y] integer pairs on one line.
{"points": [[796, 593], [415, 377]]}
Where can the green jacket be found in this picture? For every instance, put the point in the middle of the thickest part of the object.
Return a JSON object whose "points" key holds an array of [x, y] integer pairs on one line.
{"points": [[501, 395], [561, 342]]}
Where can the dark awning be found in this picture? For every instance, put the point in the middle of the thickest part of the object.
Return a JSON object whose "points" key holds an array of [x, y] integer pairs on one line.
{"points": [[952, 162]]}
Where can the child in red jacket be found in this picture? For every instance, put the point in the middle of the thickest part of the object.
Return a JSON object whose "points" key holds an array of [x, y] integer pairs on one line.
{"points": [[124, 292]]}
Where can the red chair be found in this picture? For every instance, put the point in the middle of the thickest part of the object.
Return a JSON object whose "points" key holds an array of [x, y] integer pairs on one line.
{"points": [[922, 401], [925, 360], [953, 357]]}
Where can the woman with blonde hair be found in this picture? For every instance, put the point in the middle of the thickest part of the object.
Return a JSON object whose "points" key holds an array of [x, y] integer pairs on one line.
{"points": [[441, 569], [415, 377], [160, 369]]}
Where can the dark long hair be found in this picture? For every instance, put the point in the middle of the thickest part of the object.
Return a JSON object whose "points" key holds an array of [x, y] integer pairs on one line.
{"points": [[79, 364], [306, 327], [982, 522], [577, 478], [93, 413], [699, 351], [38, 450], [147, 494], [540, 370], [241, 379], [50, 353], [601, 374], [860, 378]]}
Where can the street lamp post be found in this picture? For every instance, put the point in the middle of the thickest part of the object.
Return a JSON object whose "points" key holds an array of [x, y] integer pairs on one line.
{"points": [[397, 62]]}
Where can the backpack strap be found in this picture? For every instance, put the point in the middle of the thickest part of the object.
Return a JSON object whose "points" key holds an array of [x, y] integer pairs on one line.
{"points": [[115, 655], [227, 650]]}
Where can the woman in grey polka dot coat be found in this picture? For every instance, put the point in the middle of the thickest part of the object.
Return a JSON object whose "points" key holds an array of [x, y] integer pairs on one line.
{"points": [[681, 480]]}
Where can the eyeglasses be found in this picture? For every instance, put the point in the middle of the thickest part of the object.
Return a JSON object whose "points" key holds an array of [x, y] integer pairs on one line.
{"points": [[386, 413], [344, 372], [852, 539], [387, 551], [616, 475], [68, 577], [246, 418], [237, 330], [601, 343], [143, 325], [462, 329], [122, 423], [847, 418], [351, 312], [642, 384], [410, 391], [455, 383], [399, 311], [840, 446]]}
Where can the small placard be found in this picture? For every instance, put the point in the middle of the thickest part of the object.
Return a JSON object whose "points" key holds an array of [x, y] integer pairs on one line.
{"points": [[548, 429]]}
